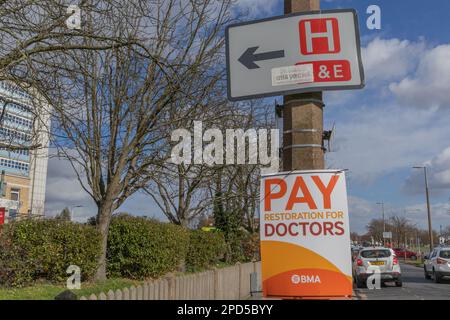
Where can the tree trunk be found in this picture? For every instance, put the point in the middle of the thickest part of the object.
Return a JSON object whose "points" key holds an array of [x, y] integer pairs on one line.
{"points": [[103, 221]]}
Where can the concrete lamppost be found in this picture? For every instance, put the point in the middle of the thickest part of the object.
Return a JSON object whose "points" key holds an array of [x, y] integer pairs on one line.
{"points": [[427, 194]]}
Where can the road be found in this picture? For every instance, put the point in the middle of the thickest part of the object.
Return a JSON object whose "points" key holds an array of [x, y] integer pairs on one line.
{"points": [[415, 287]]}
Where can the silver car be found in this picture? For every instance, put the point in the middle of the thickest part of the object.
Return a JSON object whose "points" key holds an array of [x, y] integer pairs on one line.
{"points": [[437, 264], [381, 259]]}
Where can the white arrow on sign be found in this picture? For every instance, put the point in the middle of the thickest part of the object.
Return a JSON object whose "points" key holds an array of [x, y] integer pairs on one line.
{"points": [[308, 51]]}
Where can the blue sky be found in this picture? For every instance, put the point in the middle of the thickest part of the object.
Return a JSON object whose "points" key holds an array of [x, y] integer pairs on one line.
{"points": [[399, 120]]}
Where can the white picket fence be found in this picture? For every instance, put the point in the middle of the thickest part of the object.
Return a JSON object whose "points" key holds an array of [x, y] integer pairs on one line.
{"points": [[231, 283]]}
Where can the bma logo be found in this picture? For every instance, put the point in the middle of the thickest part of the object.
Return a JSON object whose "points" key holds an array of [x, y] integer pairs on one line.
{"points": [[296, 279], [319, 36]]}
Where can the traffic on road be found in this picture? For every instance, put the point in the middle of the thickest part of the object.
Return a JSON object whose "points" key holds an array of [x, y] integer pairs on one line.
{"points": [[381, 273]]}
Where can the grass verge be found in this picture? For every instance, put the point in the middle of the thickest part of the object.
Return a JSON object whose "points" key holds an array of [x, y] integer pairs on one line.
{"points": [[46, 291]]}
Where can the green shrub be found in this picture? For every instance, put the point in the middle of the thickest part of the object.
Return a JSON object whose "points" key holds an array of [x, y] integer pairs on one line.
{"points": [[140, 248], [44, 249], [205, 249], [15, 267], [251, 247]]}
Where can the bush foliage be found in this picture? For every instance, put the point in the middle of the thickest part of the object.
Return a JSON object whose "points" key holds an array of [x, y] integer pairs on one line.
{"points": [[44, 249], [140, 248], [205, 249]]}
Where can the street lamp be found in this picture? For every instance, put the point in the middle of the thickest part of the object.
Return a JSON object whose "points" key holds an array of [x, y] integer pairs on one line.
{"points": [[430, 229], [72, 209]]}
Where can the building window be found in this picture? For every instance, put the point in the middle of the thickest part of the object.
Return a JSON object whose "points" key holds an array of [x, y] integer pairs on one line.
{"points": [[12, 214], [15, 194], [14, 164]]}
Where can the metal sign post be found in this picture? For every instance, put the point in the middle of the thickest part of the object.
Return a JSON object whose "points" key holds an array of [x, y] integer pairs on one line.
{"points": [[299, 55], [296, 55]]}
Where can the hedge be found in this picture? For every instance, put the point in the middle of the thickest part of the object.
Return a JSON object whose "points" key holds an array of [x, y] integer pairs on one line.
{"points": [[44, 249], [205, 249], [140, 248]]}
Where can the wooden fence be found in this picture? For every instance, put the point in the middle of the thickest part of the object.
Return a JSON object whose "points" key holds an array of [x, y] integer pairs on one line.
{"points": [[231, 283]]}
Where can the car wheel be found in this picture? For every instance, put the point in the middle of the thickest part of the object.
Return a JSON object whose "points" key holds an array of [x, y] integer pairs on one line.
{"points": [[399, 283], [436, 277], [426, 274]]}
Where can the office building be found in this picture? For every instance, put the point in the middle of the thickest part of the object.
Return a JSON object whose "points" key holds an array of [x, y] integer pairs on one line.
{"points": [[24, 140]]}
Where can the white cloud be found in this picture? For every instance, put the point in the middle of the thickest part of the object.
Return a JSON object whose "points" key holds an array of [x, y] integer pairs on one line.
{"points": [[377, 133], [378, 139], [429, 86], [390, 59], [438, 175], [64, 190], [361, 212], [256, 8]]}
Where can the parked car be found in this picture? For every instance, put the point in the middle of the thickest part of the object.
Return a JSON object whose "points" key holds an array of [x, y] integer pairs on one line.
{"points": [[436, 265], [355, 251], [376, 257], [400, 252]]}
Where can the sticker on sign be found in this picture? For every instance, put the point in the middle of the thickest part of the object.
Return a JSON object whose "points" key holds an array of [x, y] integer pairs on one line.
{"points": [[301, 52], [293, 74]]}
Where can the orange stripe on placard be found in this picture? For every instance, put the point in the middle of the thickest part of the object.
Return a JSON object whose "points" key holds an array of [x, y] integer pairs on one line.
{"points": [[281, 261], [279, 257], [308, 283]]}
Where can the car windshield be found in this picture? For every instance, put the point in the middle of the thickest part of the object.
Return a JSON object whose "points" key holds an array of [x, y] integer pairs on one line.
{"points": [[375, 253], [445, 254]]}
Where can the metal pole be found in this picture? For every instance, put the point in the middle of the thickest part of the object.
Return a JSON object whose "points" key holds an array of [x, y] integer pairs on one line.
{"points": [[430, 229], [303, 116], [405, 246]]}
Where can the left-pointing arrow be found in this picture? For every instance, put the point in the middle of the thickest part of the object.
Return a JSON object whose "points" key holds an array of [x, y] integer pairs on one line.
{"points": [[249, 57]]}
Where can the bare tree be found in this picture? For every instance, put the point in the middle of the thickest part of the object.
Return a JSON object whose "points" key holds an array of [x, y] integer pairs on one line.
{"points": [[375, 229], [31, 30], [116, 107], [399, 227], [181, 191], [35, 37], [238, 185]]}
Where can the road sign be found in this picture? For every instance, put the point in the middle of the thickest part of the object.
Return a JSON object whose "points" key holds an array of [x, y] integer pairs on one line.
{"points": [[387, 235], [300, 52], [305, 235]]}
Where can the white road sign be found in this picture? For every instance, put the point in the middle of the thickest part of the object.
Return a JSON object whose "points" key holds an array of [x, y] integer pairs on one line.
{"points": [[294, 53], [387, 235]]}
